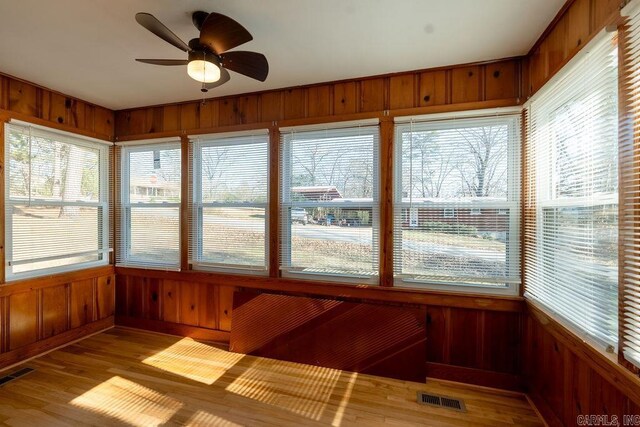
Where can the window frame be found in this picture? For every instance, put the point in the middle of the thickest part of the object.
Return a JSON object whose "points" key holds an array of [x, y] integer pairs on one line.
{"points": [[512, 117], [447, 212], [546, 198], [102, 205], [125, 207], [286, 204], [198, 206]]}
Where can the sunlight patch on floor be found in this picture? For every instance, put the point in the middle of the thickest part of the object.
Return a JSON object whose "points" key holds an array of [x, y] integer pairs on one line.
{"points": [[128, 402], [302, 389], [203, 418], [351, 381], [194, 360]]}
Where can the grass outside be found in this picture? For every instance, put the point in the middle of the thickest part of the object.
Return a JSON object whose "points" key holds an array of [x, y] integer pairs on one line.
{"points": [[236, 236], [459, 240]]}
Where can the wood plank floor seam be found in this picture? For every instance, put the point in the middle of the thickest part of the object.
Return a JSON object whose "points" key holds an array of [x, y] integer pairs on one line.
{"points": [[128, 377]]}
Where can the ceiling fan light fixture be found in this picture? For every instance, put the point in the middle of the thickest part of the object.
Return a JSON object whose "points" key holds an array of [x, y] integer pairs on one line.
{"points": [[203, 68]]}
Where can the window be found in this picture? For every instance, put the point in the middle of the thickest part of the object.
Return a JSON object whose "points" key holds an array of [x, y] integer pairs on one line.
{"points": [[56, 201], [150, 206], [229, 224], [329, 202], [457, 174], [630, 176], [572, 194]]}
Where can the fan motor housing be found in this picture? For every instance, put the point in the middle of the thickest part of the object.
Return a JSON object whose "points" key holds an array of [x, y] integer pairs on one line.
{"points": [[203, 55]]}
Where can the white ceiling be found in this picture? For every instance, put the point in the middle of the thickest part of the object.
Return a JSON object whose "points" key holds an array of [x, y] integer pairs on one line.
{"points": [[87, 48]]}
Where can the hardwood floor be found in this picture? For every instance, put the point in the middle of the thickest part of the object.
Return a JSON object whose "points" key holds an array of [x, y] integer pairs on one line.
{"points": [[127, 377]]}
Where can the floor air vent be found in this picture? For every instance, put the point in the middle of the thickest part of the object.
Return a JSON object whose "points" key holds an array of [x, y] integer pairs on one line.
{"points": [[442, 401], [15, 375]]}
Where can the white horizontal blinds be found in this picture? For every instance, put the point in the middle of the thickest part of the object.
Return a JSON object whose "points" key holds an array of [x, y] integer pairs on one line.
{"points": [[572, 153], [630, 187], [329, 202], [456, 210], [56, 201], [150, 206], [230, 177]]}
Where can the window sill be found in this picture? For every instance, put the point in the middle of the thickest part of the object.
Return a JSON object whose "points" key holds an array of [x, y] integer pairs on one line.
{"points": [[359, 290], [52, 272], [56, 279], [457, 288]]}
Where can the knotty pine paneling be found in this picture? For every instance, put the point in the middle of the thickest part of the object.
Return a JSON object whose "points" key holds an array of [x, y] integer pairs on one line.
{"points": [[26, 101], [371, 96], [82, 302], [319, 101], [185, 302], [479, 339], [42, 313], [294, 103], [23, 319], [402, 91], [563, 383], [483, 345], [23, 98], [105, 297], [55, 311], [466, 85], [433, 88], [573, 29], [376, 339], [501, 80], [345, 98], [270, 106]]}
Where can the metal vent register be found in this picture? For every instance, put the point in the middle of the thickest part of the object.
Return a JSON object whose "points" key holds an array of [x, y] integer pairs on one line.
{"points": [[442, 401], [15, 375]]}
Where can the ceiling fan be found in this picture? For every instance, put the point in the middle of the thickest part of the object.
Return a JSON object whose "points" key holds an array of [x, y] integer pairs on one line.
{"points": [[208, 56]]}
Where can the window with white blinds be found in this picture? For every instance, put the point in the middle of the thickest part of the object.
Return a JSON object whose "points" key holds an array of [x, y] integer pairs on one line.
{"points": [[456, 208], [56, 202], [571, 203], [630, 187], [149, 226], [329, 202], [230, 195]]}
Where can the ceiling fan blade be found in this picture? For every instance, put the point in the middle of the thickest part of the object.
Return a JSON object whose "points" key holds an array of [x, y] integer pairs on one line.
{"points": [[251, 64], [224, 77], [221, 33], [152, 24], [198, 19], [164, 61]]}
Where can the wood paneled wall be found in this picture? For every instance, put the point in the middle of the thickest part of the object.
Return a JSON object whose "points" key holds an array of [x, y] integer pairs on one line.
{"points": [[465, 86], [26, 101], [576, 23], [177, 306], [565, 377], [368, 338], [469, 339], [40, 314]]}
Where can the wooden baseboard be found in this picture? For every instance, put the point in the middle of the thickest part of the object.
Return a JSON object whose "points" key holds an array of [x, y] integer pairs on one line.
{"points": [[174, 329], [474, 376], [542, 408], [22, 354]]}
